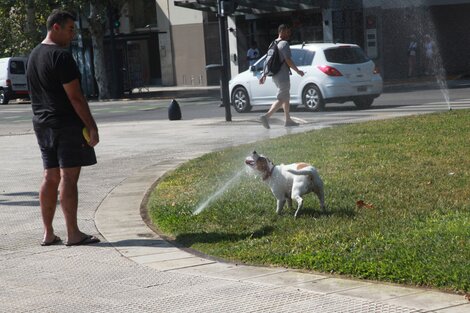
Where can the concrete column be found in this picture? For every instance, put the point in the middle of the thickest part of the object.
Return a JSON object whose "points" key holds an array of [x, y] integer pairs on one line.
{"points": [[165, 42], [233, 44], [327, 25]]}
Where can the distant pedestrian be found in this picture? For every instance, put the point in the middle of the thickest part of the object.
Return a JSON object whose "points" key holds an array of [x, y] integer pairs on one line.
{"points": [[429, 51], [282, 79], [60, 113], [412, 51], [253, 53]]}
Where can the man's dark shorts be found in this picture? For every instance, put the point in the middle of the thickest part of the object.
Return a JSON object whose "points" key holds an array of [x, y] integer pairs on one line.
{"points": [[64, 147]]}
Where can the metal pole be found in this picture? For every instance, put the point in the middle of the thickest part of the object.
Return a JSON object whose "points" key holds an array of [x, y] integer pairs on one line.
{"points": [[225, 58]]}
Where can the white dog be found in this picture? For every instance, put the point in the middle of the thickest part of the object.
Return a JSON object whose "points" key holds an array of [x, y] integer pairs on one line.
{"points": [[288, 182]]}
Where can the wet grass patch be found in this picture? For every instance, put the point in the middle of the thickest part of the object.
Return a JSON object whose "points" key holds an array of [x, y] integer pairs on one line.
{"points": [[397, 195]]}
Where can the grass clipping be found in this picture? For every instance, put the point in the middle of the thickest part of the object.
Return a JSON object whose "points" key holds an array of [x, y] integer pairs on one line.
{"points": [[397, 196]]}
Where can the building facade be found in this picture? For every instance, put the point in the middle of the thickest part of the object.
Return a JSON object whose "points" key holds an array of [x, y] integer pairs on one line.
{"points": [[170, 42], [445, 21], [381, 27]]}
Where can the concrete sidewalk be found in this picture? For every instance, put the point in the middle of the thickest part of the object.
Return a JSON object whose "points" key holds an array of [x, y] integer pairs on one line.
{"points": [[134, 240], [133, 269]]}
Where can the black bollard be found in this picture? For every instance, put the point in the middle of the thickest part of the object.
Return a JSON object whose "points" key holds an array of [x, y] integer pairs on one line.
{"points": [[174, 111]]}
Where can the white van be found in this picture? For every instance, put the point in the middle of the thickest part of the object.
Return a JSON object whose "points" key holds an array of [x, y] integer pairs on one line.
{"points": [[13, 84]]}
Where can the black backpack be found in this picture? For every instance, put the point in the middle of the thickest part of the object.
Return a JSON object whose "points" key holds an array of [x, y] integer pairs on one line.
{"points": [[273, 63]]}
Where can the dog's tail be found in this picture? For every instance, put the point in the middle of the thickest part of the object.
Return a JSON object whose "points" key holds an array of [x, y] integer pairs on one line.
{"points": [[307, 171]]}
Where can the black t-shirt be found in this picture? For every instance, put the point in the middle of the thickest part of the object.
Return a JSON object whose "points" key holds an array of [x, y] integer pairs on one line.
{"points": [[50, 66]]}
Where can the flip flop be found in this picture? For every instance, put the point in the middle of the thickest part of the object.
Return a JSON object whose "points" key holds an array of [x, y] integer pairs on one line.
{"points": [[54, 241], [87, 240]]}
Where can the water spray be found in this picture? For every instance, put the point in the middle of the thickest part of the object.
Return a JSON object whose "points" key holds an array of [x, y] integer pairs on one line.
{"points": [[218, 193]]}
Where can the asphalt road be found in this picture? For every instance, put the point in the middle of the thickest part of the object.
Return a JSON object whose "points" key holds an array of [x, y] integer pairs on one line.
{"points": [[15, 118]]}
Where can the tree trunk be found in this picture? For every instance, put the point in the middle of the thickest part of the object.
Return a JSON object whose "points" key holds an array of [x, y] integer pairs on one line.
{"points": [[97, 20], [31, 19]]}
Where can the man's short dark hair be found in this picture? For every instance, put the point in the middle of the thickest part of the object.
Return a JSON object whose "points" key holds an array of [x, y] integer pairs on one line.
{"points": [[283, 27], [60, 17]]}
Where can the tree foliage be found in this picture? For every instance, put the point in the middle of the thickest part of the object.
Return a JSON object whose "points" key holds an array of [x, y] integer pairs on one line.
{"points": [[20, 31], [24, 26], [24, 23]]}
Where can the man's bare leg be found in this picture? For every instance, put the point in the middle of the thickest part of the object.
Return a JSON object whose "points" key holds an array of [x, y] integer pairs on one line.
{"points": [[289, 121], [264, 118], [68, 193], [286, 107], [48, 201], [273, 109]]}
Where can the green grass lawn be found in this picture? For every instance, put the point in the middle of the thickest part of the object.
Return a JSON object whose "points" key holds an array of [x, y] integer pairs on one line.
{"points": [[412, 173]]}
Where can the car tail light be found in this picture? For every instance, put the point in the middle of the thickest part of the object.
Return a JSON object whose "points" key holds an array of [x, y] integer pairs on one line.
{"points": [[376, 70], [8, 83], [330, 71]]}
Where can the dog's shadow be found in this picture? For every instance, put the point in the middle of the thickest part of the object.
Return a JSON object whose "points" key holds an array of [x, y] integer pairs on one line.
{"points": [[188, 239], [317, 213]]}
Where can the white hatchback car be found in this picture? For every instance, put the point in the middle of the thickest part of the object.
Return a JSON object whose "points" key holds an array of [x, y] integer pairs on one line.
{"points": [[333, 73]]}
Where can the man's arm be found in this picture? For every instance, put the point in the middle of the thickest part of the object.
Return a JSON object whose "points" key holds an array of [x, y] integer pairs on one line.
{"points": [[284, 48], [79, 103], [292, 65]]}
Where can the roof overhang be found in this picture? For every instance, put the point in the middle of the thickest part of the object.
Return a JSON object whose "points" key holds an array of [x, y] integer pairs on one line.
{"points": [[255, 6]]}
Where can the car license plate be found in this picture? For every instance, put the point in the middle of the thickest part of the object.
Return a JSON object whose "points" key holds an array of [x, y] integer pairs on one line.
{"points": [[362, 88]]}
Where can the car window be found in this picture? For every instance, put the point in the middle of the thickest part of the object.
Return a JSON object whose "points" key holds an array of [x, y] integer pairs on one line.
{"points": [[346, 55], [302, 57], [260, 64], [17, 67]]}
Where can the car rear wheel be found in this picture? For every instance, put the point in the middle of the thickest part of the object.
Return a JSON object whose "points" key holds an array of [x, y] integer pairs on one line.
{"points": [[312, 98], [3, 97], [241, 100], [363, 102]]}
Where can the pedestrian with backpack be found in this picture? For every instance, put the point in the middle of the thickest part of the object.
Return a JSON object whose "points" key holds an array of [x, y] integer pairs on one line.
{"points": [[278, 64]]}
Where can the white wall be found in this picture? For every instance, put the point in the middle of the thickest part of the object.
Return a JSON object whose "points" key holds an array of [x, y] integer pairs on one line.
{"points": [[182, 28], [165, 43], [168, 16]]}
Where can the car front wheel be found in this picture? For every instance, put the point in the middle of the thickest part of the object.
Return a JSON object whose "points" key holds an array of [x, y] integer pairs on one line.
{"points": [[363, 102], [312, 98], [241, 100], [3, 97]]}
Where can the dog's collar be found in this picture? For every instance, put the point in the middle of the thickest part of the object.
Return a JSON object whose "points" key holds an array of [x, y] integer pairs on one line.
{"points": [[269, 174]]}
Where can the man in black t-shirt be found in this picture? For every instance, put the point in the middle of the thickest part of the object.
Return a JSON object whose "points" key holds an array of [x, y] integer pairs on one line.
{"points": [[65, 128]]}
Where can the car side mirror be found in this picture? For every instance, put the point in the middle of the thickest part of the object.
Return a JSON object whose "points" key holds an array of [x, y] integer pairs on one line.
{"points": [[253, 68]]}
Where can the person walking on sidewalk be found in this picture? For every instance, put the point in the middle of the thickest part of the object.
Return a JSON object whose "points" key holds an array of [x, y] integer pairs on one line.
{"points": [[412, 48], [282, 79], [429, 48], [60, 113]]}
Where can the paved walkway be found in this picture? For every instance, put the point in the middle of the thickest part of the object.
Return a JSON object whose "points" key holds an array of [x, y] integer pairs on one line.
{"points": [[133, 270]]}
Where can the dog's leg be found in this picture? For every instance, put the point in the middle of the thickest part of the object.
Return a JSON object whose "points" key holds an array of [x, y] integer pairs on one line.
{"points": [[280, 206], [319, 190], [289, 202], [300, 204], [321, 197]]}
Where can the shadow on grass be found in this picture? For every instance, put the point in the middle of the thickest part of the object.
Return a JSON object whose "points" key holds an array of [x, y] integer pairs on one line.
{"points": [[189, 239], [317, 213]]}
